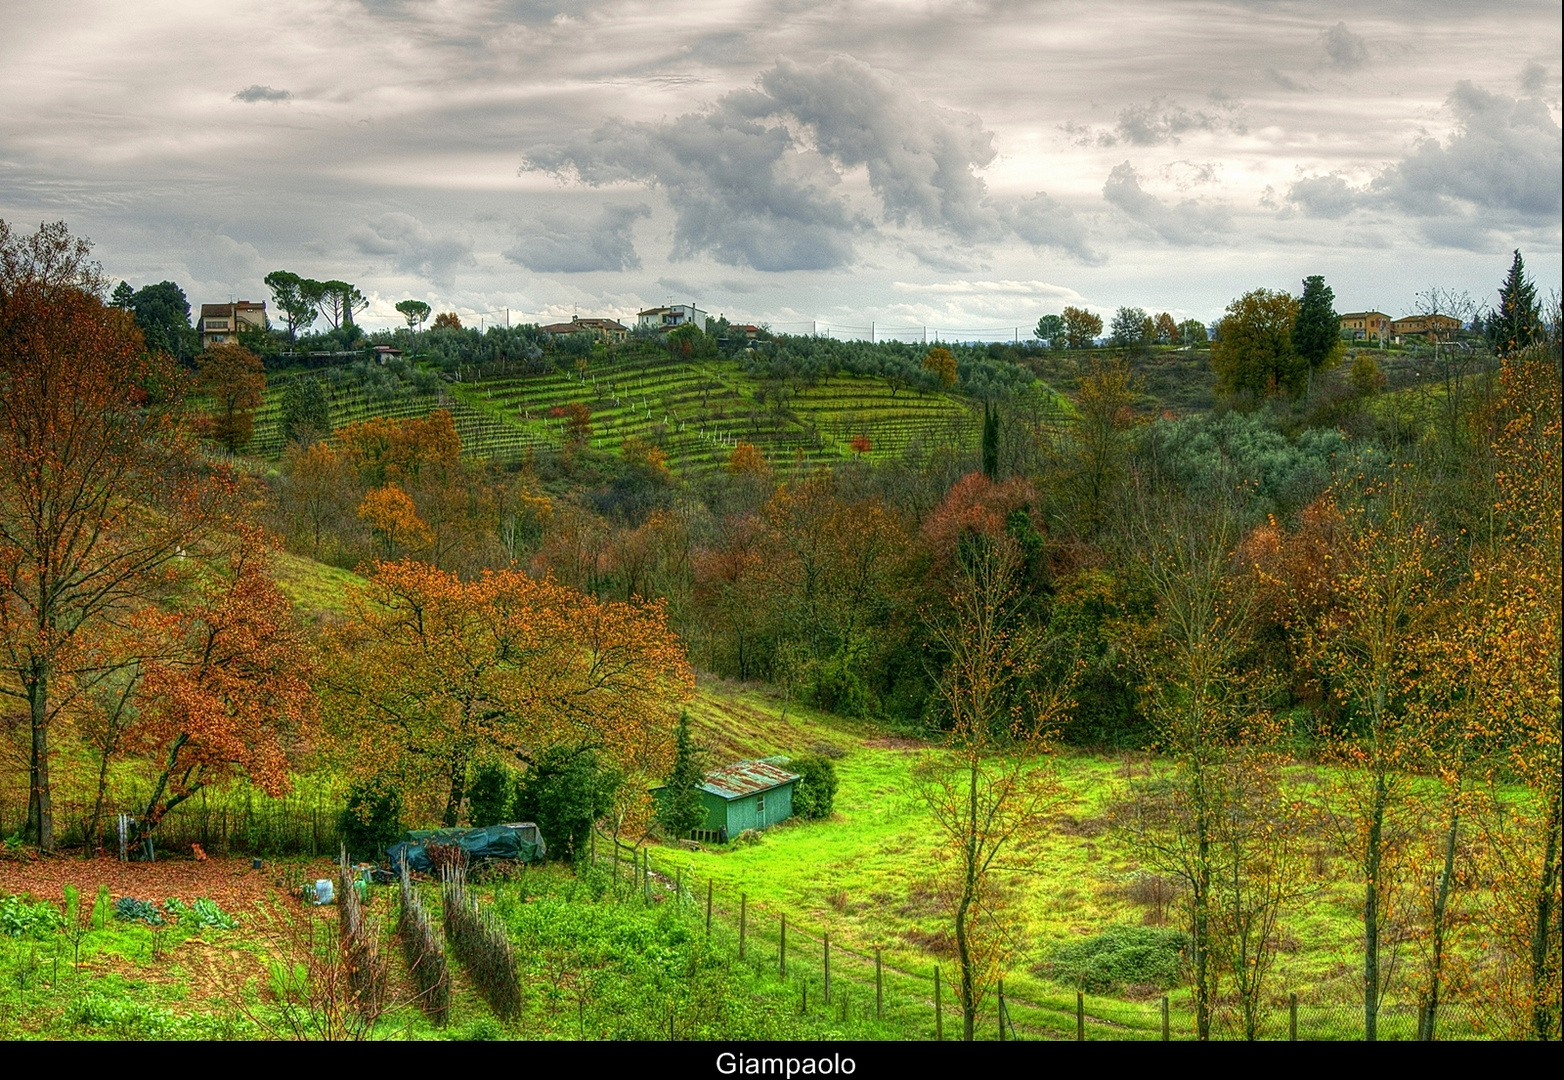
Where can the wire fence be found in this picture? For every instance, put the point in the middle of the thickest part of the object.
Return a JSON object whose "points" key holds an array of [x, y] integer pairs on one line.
{"points": [[232, 822], [848, 980]]}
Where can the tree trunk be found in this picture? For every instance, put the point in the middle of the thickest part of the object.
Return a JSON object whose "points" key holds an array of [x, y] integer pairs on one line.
{"points": [[963, 946], [1441, 906], [40, 801], [453, 798], [1372, 857], [1544, 1008]]}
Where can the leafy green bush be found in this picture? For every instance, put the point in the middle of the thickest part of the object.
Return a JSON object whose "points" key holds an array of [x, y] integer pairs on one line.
{"points": [[129, 909], [1121, 955], [490, 794], [21, 918], [815, 795], [204, 912], [565, 792], [372, 819]]}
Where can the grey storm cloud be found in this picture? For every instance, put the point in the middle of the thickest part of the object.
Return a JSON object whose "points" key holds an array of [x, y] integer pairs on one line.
{"points": [[1534, 77], [1044, 222], [554, 242], [412, 248], [756, 179], [1504, 156], [1502, 161], [1187, 223], [252, 94], [919, 156], [1324, 196], [1344, 50], [1159, 121]]}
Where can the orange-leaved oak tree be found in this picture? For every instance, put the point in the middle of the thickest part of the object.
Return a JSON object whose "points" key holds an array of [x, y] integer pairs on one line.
{"points": [[225, 683], [442, 672], [102, 484], [391, 516]]}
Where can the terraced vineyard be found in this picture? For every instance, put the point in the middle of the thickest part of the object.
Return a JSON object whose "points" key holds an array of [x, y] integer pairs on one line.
{"points": [[696, 411]]}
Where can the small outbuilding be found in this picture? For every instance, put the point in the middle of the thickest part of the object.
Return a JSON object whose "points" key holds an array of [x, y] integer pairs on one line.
{"points": [[744, 795]]}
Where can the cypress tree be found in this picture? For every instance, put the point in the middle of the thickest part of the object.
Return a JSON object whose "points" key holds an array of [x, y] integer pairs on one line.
{"points": [[990, 441], [1514, 325], [1316, 332], [682, 810]]}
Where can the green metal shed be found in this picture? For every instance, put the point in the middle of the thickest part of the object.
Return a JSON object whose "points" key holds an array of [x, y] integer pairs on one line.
{"points": [[745, 795]]}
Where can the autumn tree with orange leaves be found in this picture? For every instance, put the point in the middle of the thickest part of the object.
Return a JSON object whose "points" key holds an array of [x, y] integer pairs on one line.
{"points": [[225, 685], [1526, 836], [443, 672], [101, 482]]}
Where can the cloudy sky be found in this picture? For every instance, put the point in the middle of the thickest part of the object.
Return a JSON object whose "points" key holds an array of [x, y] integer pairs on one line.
{"points": [[959, 165]]}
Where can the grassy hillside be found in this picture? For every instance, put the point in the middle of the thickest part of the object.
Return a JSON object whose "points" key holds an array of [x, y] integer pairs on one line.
{"points": [[866, 875]]}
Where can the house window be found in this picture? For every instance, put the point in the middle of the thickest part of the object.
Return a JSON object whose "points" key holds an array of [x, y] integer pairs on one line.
{"points": [[760, 804]]}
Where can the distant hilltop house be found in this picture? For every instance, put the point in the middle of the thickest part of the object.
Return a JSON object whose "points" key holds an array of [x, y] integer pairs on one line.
{"points": [[742, 796], [607, 329], [1366, 324], [670, 318], [221, 323], [1432, 327]]}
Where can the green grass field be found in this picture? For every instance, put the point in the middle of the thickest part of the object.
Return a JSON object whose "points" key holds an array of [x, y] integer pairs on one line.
{"points": [[866, 875]]}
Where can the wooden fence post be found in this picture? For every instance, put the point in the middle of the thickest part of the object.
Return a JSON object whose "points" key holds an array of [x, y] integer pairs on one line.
{"points": [[828, 969], [1001, 1010], [1080, 1016], [879, 994], [1292, 1017], [708, 907], [678, 885], [939, 1025], [782, 947], [743, 913], [1165, 1032]]}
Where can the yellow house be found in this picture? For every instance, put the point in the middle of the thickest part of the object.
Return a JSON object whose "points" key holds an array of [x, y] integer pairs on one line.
{"points": [[1433, 327], [221, 323], [1366, 324]]}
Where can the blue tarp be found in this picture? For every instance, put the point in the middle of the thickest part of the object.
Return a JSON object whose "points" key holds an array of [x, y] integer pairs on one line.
{"points": [[519, 841]]}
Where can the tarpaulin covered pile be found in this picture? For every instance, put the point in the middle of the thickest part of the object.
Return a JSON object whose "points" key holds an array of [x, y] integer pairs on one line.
{"points": [[519, 841]]}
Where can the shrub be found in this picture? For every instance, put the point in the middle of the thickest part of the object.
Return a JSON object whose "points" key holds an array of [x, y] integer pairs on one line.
{"points": [[129, 909], [20, 918], [1119, 956], [424, 955], [490, 794], [815, 795], [479, 942], [204, 912], [372, 820], [565, 792]]}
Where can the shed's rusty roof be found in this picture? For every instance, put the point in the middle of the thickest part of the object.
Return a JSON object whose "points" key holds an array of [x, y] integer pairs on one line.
{"points": [[745, 778]]}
